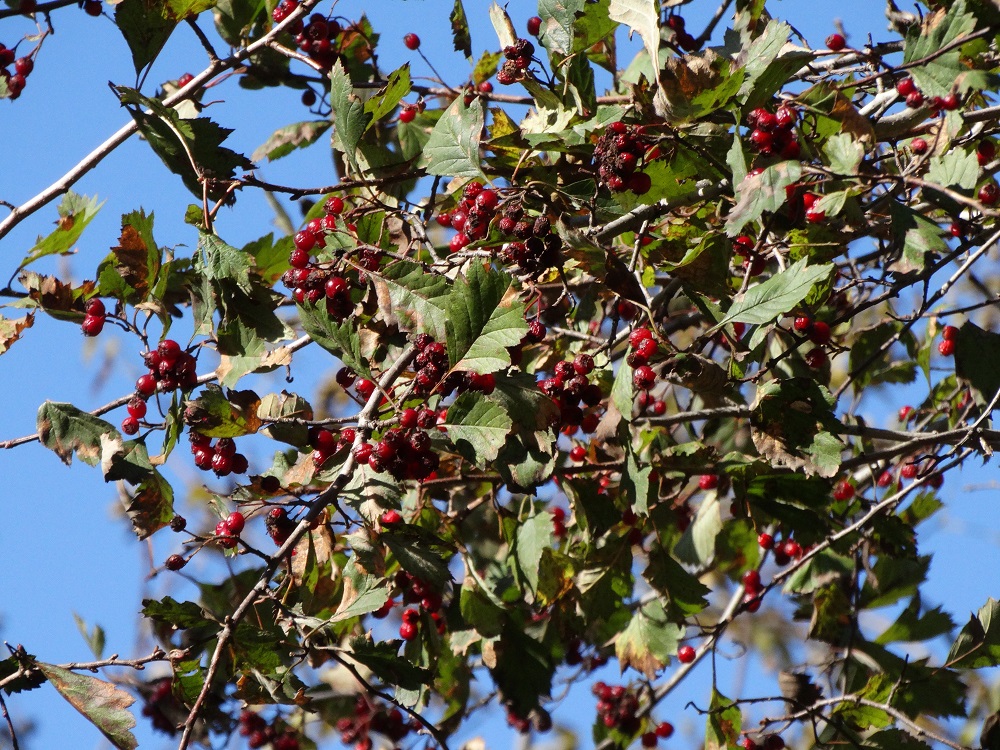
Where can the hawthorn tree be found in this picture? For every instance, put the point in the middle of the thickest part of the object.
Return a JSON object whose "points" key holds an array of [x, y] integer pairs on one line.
{"points": [[597, 365]]}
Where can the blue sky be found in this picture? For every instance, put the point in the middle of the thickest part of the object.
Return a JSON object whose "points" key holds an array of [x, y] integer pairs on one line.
{"points": [[65, 547]]}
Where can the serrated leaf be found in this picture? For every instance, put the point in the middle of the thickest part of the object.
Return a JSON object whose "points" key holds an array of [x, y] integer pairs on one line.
{"points": [[777, 296], [558, 17], [460, 30], [917, 235], [623, 390], [103, 704], [338, 338], [389, 96], [977, 361], [363, 593], [127, 461], [526, 460], [282, 406], [636, 487], [384, 661], [67, 430], [534, 536], [762, 192], [217, 414], [95, 639], [145, 28], [786, 427], [152, 505], [911, 625], [75, 213], [722, 730], [939, 75], [485, 317], [642, 17], [10, 330], [415, 299], [418, 555], [843, 153], [289, 138], [349, 118], [453, 148], [649, 641], [978, 645], [697, 545], [957, 168], [478, 427]]}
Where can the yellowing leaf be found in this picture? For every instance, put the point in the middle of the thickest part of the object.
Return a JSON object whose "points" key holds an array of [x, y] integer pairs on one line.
{"points": [[101, 702]]}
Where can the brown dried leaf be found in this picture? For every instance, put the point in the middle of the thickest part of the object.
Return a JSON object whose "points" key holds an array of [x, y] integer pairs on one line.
{"points": [[10, 330], [132, 257]]}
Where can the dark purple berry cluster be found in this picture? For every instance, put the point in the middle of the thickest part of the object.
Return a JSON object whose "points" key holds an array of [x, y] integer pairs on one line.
{"points": [[620, 154], [518, 60]]}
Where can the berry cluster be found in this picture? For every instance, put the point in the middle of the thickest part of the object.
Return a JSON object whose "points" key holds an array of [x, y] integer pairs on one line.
{"points": [[569, 387], [364, 387], [784, 551], [818, 332], [518, 56], [170, 367], [94, 318], [317, 38], [617, 707], [535, 335], [619, 153], [752, 590], [472, 217], [221, 457], [160, 705], [259, 732], [914, 97], [403, 451], [279, 525], [774, 133], [23, 66], [228, 530], [369, 717], [946, 347], [643, 347], [311, 282], [429, 600]]}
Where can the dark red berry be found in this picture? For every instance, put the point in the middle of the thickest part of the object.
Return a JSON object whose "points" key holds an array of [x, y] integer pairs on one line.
{"points": [[835, 42], [412, 41], [95, 307], [708, 481], [175, 562], [130, 425], [534, 25], [92, 325], [235, 523], [905, 86], [686, 654], [146, 385]]}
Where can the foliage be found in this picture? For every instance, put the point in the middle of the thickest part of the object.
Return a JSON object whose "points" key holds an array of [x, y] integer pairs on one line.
{"points": [[596, 363]]}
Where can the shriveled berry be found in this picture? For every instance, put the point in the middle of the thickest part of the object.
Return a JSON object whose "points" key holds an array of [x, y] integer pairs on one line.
{"points": [[175, 562]]}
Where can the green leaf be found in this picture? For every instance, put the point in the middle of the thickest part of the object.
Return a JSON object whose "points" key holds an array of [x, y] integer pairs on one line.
{"points": [[643, 17], [224, 262], [762, 192], [478, 427], [977, 361], [338, 338], [502, 25], [786, 426], [649, 641], [414, 299], [978, 645], [534, 536], [152, 505], [944, 72], [146, 29], [453, 148], [103, 704], [558, 17], [349, 118], [623, 390], [725, 719], [460, 30], [480, 610], [67, 430], [363, 593], [520, 399], [777, 296], [419, 555], [636, 487], [911, 625], [128, 461], [917, 235], [697, 545], [384, 661], [685, 594], [177, 141], [282, 406], [526, 460], [289, 138], [75, 213], [485, 317], [957, 168], [389, 96], [843, 153], [218, 414], [95, 639]]}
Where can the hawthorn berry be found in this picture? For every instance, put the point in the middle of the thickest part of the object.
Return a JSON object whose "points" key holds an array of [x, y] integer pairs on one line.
{"points": [[905, 86], [391, 518], [235, 523], [815, 358], [412, 41], [708, 481], [664, 730], [92, 325], [146, 385], [643, 378], [986, 151], [95, 307], [949, 333], [578, 453], [408, 113], [175, 562], [130, 425], [686, 654], [765, 541], [989, 194], [918, 146], [946, 347], [836, 42]]}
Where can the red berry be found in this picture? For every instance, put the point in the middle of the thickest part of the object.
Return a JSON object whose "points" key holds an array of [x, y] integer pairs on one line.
{"points": [[412, 41], [751, 580], [235, 523], [885, 478], [989, 194], [708, 481], [95, 307], [408, 631], [904, 413], [534, 25], [664, 730], [649, 739], [638, 336], [686, 654], [950, 102], [815, 359], [835, 42], [365, 388], [946, 348], [914, 100], [843, 491], [765, 541], [175, 562], [802, 323], [949, 333], [640, 183], [146, 385], [408, 113], [222, 464], [643, 377], [334, 205], [918, 146], [578, 453], [391, 517], [92, 325], [130, 425], [792, 548], [819, 333], [362, 452], [985, 152], [137, 407], [905, 86]]}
